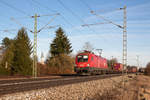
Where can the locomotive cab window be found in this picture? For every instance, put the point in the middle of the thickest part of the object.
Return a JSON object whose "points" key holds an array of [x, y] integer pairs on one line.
{"points": [[82, 58]]}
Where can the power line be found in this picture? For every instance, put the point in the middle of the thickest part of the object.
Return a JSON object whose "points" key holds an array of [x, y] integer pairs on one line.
{"points": [[91, 10], [74, 14], [109, 21], [35, 42], [94, 24], [86, 5], [124, 54], [6, 30], [48, 23], [35, 37], [69, 10], [19, 10], [49, 9], [61, 15], [13, 19], [38, 3]]}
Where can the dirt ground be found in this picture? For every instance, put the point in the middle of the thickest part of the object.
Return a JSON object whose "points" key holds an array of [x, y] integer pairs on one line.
{"points": [[143, 84], [133, 88], [138, 88]]}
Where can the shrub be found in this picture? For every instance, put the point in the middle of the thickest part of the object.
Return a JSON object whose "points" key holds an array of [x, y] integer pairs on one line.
{"points": [[147, 69], [62, 64]]}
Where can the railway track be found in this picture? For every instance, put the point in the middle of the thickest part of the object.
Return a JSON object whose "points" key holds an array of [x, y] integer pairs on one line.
{"points": [[21, 85]]}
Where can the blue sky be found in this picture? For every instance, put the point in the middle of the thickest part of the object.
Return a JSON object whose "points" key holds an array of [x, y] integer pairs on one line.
{"points": [[105, 36]]}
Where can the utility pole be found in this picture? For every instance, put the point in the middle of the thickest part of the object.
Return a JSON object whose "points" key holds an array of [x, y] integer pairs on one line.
{"points": [[124, 53], [124, 56], [124, 27], [34, 68], [34, 73], [137, 61]]}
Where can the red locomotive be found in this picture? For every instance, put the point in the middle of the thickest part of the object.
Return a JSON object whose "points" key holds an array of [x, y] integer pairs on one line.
{"points": [[88, 62]]}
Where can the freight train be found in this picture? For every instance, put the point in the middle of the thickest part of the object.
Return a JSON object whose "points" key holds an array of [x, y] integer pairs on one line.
{"points": [[88, 62]]}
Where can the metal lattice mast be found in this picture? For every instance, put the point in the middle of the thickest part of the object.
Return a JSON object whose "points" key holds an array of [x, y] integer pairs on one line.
{"points": [[138, 65], [35, 47], [124, 56]]}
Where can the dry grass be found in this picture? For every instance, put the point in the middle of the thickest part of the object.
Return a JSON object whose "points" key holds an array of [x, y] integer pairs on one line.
{"points": [[129, 91]]}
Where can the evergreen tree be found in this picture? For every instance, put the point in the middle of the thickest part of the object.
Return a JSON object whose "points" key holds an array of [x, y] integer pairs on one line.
{"points": [[60, 44], [6, 42], [22, 62], [8, 55], [60, 61]]}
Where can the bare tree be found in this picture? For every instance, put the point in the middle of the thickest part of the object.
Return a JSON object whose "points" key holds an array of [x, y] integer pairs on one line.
{"points": [[88, 46]]}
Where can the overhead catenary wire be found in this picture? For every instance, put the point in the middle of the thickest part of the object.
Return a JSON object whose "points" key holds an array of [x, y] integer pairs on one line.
{"points": [[13, 7], [48, 23], [6, 30], [93, 24], [18, 10], [93, 12], [69, 10], [109, 21], [74, 14], [49, 9], [61, 15], [13, 19], [90, 9], [38, 3]]}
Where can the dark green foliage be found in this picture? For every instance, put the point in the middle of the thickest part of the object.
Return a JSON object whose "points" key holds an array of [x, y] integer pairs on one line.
{"points": [[60, 44], [8, 58], [8, 55], [6, 42], [16, 59], [60, 61], [22, 62]]}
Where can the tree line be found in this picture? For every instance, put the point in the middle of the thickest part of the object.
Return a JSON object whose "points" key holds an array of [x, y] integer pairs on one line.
{"points": [[17, 54]]}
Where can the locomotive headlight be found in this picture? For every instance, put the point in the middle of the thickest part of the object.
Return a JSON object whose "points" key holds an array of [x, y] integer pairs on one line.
{"points": [[88, 65]]}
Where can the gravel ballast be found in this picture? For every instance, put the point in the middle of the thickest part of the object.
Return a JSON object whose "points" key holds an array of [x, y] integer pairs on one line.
{"points": [[78, 91]]}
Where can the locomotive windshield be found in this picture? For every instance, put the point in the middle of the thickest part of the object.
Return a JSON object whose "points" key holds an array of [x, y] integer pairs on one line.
{"points": [[82, 58]]}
